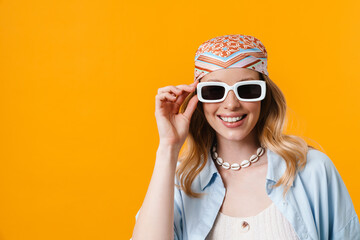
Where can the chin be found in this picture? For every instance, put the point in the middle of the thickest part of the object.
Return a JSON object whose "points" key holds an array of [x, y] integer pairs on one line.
{"points": [[233, 136]]}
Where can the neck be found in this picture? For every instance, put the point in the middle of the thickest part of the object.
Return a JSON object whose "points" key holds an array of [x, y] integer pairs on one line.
{"points": [[236, 151]]}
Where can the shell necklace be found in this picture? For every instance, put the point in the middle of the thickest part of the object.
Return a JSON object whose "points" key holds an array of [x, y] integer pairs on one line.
{"points": [[235, 166]]}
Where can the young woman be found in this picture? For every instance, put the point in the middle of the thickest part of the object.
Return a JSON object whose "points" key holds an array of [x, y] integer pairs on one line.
{"points": [[239, 176]]}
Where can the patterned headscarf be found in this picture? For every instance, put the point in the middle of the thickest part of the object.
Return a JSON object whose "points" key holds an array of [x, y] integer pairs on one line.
{"points": [[230, 51]]}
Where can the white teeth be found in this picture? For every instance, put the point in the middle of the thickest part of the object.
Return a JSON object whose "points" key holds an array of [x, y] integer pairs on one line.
{"points": [[234, 119]]}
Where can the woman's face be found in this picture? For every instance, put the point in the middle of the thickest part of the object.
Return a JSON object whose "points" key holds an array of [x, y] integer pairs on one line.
{"points": [[232, 106]]}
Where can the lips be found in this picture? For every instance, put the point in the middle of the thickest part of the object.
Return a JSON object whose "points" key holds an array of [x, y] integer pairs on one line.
{"points": [[233, 124], [231, 115]]}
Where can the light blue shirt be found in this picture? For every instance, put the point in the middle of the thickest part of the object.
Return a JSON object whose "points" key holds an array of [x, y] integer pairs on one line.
{"points": [[317, 205]]}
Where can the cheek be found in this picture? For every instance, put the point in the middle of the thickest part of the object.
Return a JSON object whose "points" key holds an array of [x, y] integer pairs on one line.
{"points": [[209, 109], [253, 106], [255, 109]]}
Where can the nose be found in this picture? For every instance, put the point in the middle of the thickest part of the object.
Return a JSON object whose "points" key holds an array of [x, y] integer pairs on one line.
{"points": [[231, 101]]}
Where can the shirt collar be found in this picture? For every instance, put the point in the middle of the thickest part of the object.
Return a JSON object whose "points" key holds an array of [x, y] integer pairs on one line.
{"points": [[276, 168]]}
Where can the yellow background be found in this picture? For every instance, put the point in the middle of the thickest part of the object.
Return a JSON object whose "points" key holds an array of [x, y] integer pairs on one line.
{"points": [[78, 84]]}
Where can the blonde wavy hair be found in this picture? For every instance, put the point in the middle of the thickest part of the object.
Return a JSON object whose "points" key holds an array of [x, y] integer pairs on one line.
{"points": [[269, 132]]}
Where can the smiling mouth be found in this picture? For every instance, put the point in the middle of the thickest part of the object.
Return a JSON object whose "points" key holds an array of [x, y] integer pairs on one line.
{"points": [[232, 119]]}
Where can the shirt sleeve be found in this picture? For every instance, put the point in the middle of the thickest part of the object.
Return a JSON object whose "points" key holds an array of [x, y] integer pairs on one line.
{"points": [[350, 231], [178, 213], [344, 220]]}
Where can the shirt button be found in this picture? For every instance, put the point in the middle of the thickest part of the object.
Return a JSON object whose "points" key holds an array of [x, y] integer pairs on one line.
{"points": [[285, 203], [245, 227], [305, 235]]}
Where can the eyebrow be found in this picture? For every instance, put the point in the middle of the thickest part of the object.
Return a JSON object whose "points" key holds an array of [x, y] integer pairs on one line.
{"points": [[216, 80]]}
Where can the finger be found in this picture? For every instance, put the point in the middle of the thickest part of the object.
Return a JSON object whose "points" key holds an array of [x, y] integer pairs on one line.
{"points": [[179, 101], [191, 107], [170, 89], [177, 88], [165, 97], [180, 92], [195, 82], [188, 88], [183, 96], [184, 91]]}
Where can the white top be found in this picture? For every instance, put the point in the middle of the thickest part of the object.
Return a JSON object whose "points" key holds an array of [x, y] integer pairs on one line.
{"points": [[269, 224]]}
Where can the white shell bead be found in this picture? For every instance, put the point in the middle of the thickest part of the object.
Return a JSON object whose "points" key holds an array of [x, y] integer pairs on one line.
{"points": [[235, 166], [254, 158], [260, 151], [245, 163], [226, 165], [219, 161]]}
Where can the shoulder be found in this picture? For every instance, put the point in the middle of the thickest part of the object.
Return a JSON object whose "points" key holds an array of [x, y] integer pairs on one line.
{"points": [[318, 166], [327, 192], [321, 178], [316, 157]]}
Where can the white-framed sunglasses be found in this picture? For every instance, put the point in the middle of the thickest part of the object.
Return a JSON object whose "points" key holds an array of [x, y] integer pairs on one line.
{"points": [[248, 91]]}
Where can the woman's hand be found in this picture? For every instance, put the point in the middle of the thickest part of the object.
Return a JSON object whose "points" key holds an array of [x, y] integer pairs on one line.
{"points": [[173, 126]]}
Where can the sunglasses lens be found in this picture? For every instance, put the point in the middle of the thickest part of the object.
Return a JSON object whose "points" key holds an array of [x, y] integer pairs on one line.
{"points": [[250, 91], [212, 92]]}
